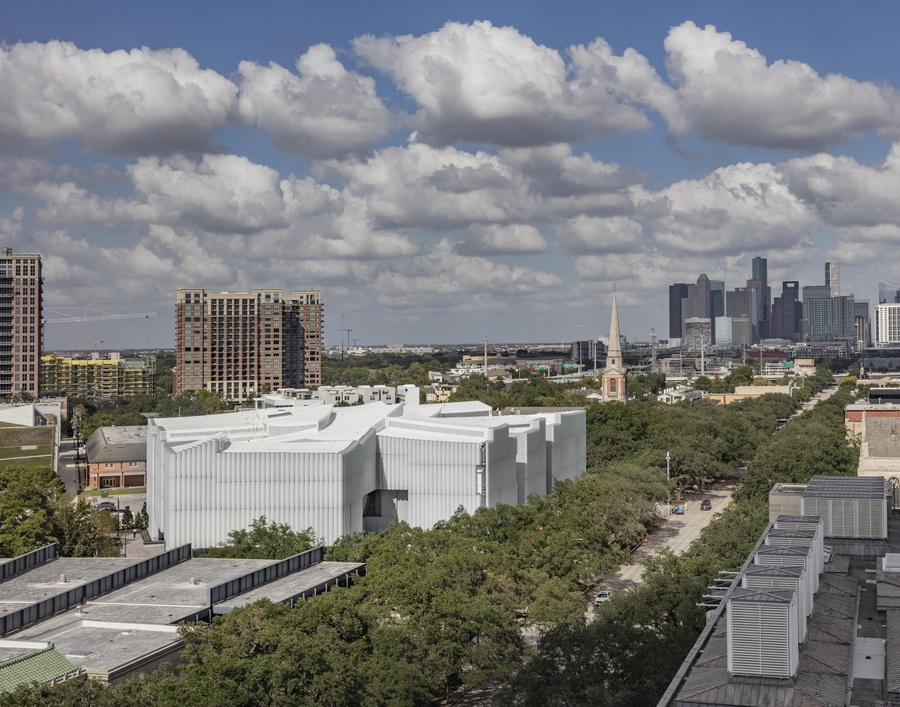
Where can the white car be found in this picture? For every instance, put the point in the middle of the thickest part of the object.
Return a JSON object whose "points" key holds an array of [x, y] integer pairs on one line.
{"points": [[602, 596]]}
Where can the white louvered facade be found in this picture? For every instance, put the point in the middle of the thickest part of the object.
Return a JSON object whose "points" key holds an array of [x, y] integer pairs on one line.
{"points": [[849, 517], [342, 470]]}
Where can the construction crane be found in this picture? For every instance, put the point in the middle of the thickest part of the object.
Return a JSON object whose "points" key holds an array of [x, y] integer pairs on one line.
{"points": [[102, 316], [95, 342]]}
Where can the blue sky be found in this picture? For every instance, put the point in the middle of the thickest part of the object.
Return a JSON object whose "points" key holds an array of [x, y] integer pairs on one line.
{"points": [[445, 172]]}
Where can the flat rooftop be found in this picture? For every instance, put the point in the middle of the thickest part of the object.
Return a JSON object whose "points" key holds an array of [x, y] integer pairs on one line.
{"points": [[175, 594], [56, 577], [136, 626], [293, 586]]}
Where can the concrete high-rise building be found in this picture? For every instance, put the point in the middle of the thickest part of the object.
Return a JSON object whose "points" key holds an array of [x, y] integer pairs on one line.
{"points": [[724, 329], [829, 318], [742, 331], [743, 303], [241, 344], [887, 324], [21, 323], [698, 304], [760, 273], [811, 292], [716, 298], [833, 278], [677, 293], [787, 311], [698, 333], [862, 324]]}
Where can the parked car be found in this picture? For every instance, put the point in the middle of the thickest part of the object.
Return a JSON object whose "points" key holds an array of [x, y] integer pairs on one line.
{"points": [[705, 505], [105, 506], [679, 510], [602, 596]]}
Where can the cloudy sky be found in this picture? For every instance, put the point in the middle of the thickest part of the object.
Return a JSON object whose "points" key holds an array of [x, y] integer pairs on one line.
{"points": [[445, 172]]}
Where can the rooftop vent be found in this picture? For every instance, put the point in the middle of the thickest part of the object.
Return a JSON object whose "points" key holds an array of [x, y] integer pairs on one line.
{"points": [[763, 636]]}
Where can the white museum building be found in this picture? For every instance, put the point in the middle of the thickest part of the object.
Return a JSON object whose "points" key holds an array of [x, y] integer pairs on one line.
{"points": [[339, 470]]}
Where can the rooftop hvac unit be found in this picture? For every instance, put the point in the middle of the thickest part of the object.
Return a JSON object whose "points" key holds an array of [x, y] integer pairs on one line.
{"points": [[763, 633], [785, 579], [798, 522], [851, 506], [791, 557], [891, 562], [802, 523], [778, 537]]}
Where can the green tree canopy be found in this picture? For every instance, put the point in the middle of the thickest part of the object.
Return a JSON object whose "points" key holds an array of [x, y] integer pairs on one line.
{"points": [[265, 541]]}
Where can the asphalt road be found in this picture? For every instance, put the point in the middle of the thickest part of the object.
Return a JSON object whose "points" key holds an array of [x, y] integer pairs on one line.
{"points": [[677, 533], [66, 469]]}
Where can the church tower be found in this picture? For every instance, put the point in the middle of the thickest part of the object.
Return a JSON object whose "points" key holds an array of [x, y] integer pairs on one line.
{"points": [[614, 372]]}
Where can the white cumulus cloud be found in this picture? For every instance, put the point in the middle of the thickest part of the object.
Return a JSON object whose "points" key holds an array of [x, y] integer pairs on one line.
{"points": [[729, 92], [325, 111], [139, 101], [494, 239], [486, 84]]}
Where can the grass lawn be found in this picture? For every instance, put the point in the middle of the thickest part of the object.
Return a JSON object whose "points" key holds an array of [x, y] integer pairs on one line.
{"points": [[27, 463], [15, 452]]}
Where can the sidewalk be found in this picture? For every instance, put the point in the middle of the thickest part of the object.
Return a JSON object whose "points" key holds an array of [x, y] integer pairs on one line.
{"points": [[135, 547]]}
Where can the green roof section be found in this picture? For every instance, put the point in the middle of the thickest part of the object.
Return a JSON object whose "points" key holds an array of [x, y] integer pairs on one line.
{"points": [[42, 666]]}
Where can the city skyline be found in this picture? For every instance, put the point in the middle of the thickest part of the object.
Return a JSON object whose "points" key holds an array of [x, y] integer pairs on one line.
{"points": [[444, 174]]}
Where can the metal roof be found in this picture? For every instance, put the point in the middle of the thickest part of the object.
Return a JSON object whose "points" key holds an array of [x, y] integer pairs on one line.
{"points": [[874, 487], [762, 596], [892, 652], [117, 444], [773, 571], [41, 666]]}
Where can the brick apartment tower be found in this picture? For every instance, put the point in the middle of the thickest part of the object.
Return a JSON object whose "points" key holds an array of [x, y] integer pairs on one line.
{"points": [[614, 380], [241, 344], [21, 323]]}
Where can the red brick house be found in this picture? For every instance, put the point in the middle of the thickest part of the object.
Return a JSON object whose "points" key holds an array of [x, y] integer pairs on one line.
{"points": [[117, 457]]}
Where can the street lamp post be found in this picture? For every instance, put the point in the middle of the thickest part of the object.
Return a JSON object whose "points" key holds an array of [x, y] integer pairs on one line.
{"points": [[669, 481]]}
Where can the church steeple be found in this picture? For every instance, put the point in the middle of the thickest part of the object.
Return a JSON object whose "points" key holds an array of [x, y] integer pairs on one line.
{"points": [[614, 372]]}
